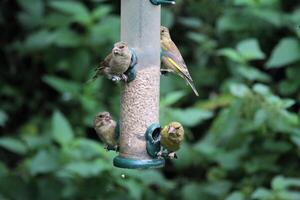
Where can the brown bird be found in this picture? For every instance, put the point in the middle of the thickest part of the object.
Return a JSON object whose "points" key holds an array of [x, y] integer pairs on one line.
{"points": [[116, 63], [105, 128], [172, 59]]}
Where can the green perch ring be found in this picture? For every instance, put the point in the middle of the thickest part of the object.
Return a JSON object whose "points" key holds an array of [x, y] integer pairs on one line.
{"points": [[153, 140], [131, 71], [152, 137]]}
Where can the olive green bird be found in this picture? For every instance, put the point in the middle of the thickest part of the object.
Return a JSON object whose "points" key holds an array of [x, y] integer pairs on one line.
{"points": [[105, 128], [116, 63], [172, 59], [172, 136]]}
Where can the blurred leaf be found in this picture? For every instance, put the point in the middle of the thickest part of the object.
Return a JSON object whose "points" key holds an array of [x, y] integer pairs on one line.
{"points": [[86, 169], [111, 32], [38, 40], [216, 102], [74, 8], [193, 191], [34, 7], [44, 162], [37, 141], [61, 85], [61, 129], [167, 18], [271, 16], [250, 49], [151, 178], [3, 170], [262, 193], [286, 52], [280, 182], [66, 38], [236, 196], [172, 98], [197, 37], [239, 90], [101, 11], [253, 74], [190, 22], [3, 118], [191, 116], [231, 54], [57, 20], [13, 145]]}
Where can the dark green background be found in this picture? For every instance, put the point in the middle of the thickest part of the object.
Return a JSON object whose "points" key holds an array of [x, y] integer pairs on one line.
{"points": [[242, 133]]}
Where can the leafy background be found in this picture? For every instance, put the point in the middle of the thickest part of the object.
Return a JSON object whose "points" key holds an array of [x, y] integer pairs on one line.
{"points": [[243, 133]]}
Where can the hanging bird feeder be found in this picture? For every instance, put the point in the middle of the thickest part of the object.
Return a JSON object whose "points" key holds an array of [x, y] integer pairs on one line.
{"points": [[139, 128]]}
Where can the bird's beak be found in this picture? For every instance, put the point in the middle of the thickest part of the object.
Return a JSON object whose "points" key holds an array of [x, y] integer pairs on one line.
{"points": [[116, 51], [171, 130]]}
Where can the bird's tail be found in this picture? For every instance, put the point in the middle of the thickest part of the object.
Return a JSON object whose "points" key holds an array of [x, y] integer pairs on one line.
{"points": [[97, 71], [190, 82]]}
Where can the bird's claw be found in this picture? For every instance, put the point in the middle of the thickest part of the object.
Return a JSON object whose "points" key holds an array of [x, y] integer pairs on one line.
{"points": [[124, 78], [172, 156], [159, 154], [111, 148], [116, 79]]}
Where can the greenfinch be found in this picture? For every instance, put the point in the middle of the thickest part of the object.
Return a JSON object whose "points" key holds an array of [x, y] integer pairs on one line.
{"points": [[172, 59], [116, 63], [172, 136], [105, 128]]}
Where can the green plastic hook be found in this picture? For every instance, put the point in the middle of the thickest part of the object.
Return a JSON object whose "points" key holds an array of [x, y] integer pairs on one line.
{"points": [[161, 2], [153, 140]]}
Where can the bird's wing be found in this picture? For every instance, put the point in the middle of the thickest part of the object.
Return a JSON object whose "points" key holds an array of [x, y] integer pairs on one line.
{"points": [[105, 62], [103, 65], [178, 64], [172, 56]]}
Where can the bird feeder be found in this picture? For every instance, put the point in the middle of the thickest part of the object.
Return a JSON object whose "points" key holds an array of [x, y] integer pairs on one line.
{"points": [[140, 28]]}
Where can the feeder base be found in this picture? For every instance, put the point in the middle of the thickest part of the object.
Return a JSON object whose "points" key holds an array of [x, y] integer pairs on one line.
{"points": [[128, 163]]}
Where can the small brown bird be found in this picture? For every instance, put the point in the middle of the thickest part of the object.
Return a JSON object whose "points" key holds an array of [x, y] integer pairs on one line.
{"points": [[116, 63], [172, 136], [105, 128], [172, 59]]}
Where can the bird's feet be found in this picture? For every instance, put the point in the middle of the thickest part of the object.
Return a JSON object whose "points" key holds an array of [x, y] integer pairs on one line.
{"points": [[165, 71], [159, 154], [106, 147], [111, 148], [172, 156], [116, 79], [124, 78]]}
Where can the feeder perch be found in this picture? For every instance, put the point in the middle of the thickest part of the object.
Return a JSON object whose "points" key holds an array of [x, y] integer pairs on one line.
{"points": [[153, 140], [140, 28], [131, 71]]}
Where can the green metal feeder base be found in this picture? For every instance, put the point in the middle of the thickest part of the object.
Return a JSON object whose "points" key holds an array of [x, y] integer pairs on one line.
{"points": [[122, 162]]}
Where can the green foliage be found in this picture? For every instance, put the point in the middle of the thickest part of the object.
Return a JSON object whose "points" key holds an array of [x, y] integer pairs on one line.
{"points": [[243, 133]]}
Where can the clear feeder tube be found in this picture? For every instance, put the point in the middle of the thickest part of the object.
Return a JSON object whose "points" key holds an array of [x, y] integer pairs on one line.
{"points": [[140, 28]]}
